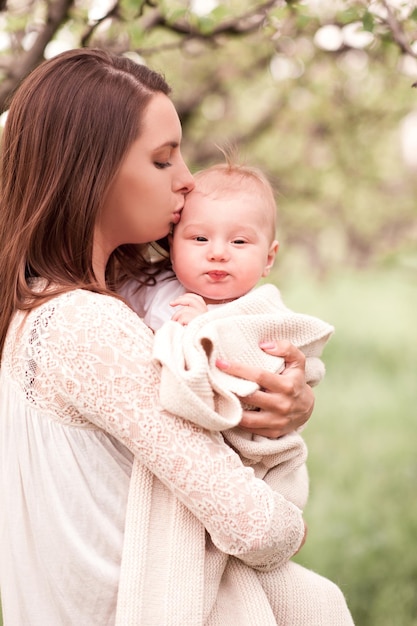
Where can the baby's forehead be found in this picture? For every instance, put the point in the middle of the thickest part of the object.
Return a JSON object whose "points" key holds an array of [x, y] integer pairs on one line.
{"points": [[223, 185], [226, 201], [212, 183]]}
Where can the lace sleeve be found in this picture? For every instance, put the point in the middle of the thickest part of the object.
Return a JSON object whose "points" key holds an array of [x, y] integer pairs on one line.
{"points": [[91, 356]]}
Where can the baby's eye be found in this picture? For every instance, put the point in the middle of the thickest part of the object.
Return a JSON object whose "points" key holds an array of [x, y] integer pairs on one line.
{"points": [[162, 166], [200, 238], [239, 241]]}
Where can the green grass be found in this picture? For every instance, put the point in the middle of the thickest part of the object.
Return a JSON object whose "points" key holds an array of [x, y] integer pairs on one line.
{"points": [[362, 439]]}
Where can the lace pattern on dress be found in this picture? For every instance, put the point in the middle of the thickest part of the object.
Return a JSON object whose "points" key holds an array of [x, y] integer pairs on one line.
{"points": [[84, 359]]}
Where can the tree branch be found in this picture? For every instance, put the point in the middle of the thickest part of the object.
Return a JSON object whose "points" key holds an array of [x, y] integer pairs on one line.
{"points": [[58, 12], [91, 29], [397, 31], [242, 24]]}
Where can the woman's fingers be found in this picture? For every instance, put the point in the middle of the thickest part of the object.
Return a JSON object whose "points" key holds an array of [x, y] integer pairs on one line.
{"points": [[284, 401], [292, 356]]}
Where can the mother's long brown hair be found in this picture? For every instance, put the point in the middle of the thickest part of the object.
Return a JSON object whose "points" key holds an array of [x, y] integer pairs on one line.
{"points": [[69, 126]]}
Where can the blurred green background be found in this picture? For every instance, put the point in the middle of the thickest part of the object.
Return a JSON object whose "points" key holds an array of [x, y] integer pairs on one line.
{"points": [[362, 512], [319, 94]]}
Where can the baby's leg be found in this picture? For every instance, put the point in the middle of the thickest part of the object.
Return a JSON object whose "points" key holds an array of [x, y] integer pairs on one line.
{"points": [[300, 597]]}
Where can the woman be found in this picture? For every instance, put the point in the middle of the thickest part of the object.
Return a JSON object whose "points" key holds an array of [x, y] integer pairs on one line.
{"points": [[113, 511]]}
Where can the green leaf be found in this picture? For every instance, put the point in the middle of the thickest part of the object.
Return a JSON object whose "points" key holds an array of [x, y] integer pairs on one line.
{"points": [[368, 22], [178, 14]]}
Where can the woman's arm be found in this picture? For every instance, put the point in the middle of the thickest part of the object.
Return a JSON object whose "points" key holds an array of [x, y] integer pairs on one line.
{"points": [[285, 402], [97, 357]]}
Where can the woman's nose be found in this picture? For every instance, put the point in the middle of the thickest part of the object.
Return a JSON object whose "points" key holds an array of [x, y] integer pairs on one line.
{"points": [[186, 179]]}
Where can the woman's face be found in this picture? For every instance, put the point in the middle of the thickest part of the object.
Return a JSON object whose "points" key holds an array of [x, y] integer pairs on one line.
{"points": [[147, 195]]}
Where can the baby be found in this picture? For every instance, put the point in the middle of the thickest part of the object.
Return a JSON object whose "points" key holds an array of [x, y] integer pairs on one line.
{"points": [[207, 308]]}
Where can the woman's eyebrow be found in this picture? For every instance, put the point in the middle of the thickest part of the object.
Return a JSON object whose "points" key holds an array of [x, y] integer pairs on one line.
{"points": [[168, 144]]}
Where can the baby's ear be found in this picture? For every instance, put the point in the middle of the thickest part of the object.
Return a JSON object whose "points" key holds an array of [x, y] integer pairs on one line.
{"points": [[272, 253]]}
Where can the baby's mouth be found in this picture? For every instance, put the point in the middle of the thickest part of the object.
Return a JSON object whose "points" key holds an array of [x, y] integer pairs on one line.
{"points": [[217, 275]]}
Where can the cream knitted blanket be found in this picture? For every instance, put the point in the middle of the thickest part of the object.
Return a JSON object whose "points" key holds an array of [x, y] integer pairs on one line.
{"points": [[213, 587], [194, 388]]}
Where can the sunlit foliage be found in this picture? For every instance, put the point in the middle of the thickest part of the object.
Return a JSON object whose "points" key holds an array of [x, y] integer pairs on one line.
{"points": [[317, 92]]}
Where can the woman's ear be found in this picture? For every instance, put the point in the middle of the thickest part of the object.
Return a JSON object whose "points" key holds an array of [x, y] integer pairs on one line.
{"points": [[272, 253]]}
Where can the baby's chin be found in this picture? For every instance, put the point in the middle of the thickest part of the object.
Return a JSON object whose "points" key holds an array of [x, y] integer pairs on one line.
{"points": [[220, 299]]}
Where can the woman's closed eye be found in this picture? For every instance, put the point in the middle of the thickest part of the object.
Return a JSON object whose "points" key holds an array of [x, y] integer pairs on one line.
{"points": [[162, 165]]}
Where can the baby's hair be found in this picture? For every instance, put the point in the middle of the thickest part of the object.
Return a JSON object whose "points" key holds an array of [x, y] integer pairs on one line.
{"points": [[232, 176]]}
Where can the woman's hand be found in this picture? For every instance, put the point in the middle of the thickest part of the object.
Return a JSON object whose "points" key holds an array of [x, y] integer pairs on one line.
{"points": [[285, 400]]}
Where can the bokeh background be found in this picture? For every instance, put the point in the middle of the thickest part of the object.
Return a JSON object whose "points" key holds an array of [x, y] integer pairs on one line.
{"points": [[318, 93]]}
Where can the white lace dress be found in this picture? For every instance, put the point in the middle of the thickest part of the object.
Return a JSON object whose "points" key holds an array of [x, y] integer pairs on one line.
{"points": [[79, 398]]}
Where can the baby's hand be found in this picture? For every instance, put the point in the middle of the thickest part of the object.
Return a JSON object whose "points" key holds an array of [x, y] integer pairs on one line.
{"points": [[191, 305]]}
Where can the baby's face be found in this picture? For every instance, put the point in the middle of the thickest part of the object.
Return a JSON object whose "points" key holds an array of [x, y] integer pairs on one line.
{"points": [[222, 246]]}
